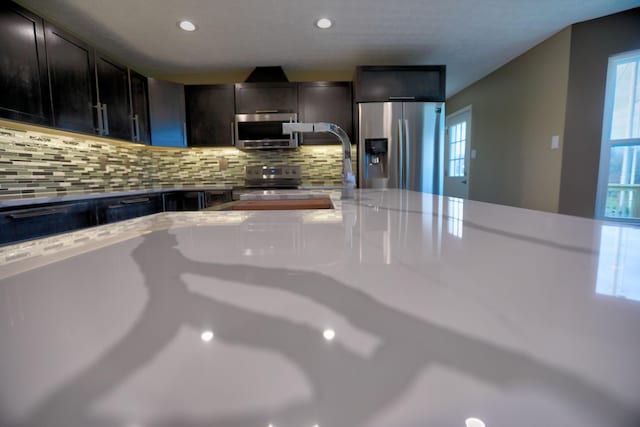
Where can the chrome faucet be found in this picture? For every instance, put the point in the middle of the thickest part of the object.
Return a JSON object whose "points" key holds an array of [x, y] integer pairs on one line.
{"points": [[348, 179]]}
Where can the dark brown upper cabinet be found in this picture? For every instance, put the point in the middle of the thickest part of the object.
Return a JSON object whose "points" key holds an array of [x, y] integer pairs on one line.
{"points": [[210, 115], [257, 98], [167, 113], [325, 102], [24, 84], [406, 83], [140, 121], [114, 118], [72, 76]]}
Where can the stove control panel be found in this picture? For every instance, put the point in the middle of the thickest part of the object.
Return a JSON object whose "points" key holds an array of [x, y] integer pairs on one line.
{"points": [[283, 176], [272, 172]]}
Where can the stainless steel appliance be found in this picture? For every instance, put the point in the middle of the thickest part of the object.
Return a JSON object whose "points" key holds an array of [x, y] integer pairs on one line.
{"points": [[264, 177], [270, 177], [264, 130], [398, 145]]}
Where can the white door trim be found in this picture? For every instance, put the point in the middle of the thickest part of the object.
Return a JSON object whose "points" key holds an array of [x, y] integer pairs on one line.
{"points": [[468, 110]]}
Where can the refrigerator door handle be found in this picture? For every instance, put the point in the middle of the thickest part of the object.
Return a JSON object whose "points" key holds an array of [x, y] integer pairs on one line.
{"points": [[407, 155], [400, 155]]}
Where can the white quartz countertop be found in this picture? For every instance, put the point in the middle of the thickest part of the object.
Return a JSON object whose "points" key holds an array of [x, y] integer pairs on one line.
{"points": [[396, 309]]}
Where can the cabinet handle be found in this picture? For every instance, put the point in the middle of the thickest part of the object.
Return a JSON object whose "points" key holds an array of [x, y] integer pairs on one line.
{"points": [[266, 111], [100, 128], [407, 156], [134, 201], [401, 98], [233, 134], [184, 133], [37, 213], [136, 122], [401, 170], [105, 119]]}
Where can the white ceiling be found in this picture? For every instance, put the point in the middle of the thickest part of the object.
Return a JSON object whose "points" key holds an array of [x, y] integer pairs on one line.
{"points": [[472, 37]]}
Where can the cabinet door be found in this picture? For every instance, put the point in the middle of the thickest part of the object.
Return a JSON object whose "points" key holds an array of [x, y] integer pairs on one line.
{"points": [[255, 98], [140, 108], [400, 83], [32, 222], [113, 96], [325, 102], [167, 111], [210, 115], [71, 70], [24, 84], [123, 208]]}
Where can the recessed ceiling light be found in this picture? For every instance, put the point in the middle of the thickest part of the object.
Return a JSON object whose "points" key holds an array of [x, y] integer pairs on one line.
{"points": [[329, 334], [324, 23], [206, 336], [187, 25], [474, 422]]}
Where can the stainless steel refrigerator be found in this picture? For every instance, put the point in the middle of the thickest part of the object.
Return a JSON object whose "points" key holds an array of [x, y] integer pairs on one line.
{"points": [[398, 145]]}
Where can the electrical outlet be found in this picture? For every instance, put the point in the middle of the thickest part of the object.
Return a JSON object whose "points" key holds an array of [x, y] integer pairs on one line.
{"points": [[555, 142]]}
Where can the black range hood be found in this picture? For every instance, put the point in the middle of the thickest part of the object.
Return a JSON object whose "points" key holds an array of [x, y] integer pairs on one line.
{"points": [[267, 75]]}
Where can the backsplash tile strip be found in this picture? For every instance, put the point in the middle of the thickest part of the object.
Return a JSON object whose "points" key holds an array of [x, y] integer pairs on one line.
{"points": [[34, 163]]}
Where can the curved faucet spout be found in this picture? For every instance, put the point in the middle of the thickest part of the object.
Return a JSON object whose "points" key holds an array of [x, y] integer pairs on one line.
{"points": [[348, 178]]}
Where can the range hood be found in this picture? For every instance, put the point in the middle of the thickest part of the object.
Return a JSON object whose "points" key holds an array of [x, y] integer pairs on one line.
{"points": [[267, 75]]}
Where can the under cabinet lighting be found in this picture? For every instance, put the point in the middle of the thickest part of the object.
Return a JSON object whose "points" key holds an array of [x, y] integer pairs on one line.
{"points": [[187, 25], [324, 23]]}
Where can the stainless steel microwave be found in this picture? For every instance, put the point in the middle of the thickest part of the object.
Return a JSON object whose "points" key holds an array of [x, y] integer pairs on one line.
{"points": [[255, 131]]}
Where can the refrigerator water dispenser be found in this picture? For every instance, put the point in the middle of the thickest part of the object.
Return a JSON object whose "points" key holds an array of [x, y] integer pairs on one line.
{"points": [[375, 158]]}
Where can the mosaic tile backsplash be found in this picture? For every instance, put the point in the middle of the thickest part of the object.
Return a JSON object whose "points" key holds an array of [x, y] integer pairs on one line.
{"points": [[38, 163]]}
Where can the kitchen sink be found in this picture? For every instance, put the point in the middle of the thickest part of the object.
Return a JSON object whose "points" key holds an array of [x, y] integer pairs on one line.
{"points": [[276, 204]]}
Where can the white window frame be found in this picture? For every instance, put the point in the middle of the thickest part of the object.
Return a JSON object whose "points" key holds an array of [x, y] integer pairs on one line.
{"points": [[607, 144]]}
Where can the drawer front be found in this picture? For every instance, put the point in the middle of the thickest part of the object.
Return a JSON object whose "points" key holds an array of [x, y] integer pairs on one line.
{"points": [[30, 223]]}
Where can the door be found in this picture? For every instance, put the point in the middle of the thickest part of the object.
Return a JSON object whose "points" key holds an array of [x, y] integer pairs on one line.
{"points": [[210, 115], [618, 195], [71, 70], [379, 132], [325, 102], [139, 108], [113, 96], [167, 113], [457, 147], [24, 86], [256, 98], [418, 146]]}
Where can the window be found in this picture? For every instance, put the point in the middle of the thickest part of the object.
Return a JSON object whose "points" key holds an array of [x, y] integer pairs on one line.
{"points": [[619, 178], [457, 149]]}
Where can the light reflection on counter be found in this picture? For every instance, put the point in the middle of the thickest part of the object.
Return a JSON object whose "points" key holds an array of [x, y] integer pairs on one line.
{"points": [[619, 262], [455, 212]]}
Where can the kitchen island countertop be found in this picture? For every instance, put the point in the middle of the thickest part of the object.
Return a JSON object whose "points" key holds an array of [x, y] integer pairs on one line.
{"points": [[396, 308]]}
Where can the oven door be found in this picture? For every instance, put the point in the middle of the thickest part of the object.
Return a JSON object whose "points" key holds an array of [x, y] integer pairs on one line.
{"points": [[264, 131]]}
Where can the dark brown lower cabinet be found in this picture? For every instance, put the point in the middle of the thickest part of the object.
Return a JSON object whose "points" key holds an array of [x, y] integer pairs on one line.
{"points": [[43, 220]]}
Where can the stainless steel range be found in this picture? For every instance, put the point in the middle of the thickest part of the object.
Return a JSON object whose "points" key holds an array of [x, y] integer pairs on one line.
{"points": [[271, 177]]}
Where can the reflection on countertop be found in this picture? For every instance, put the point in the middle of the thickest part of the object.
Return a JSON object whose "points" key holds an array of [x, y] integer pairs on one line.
{"points": [[395, 308]]}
